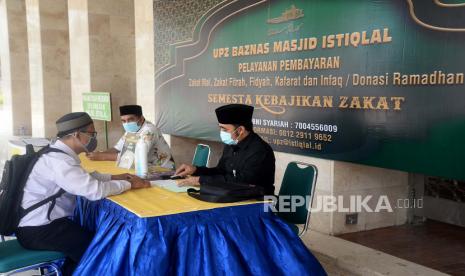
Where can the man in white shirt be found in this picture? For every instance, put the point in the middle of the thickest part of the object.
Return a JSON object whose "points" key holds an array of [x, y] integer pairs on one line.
{"points": [[49, 227], [133, 121]]}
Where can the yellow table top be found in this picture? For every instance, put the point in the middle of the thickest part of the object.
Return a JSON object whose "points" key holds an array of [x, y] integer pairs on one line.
{"points": [[154, 201], [101, 166]]}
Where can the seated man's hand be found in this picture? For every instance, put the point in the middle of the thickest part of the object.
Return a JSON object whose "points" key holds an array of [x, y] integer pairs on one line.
{"points": [[189, 181], [185, 170], [96, 156], [137, 182]]}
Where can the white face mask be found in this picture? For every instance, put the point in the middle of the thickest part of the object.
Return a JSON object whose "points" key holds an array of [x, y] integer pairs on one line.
{"points": [[226, 137], [132, 127]]}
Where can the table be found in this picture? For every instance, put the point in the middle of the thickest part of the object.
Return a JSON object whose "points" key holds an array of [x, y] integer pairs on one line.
{"points": [[196, 238], [17, 145]]}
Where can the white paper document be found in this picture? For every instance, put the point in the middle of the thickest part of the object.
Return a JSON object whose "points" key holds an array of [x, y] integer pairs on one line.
{"points": [[170, 185]]}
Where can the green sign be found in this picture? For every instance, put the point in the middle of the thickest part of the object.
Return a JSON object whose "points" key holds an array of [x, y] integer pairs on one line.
{"points": [[97, 105], [375, 82]]}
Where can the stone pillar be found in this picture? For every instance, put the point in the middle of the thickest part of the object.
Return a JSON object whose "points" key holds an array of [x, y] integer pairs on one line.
{"points": [[103, 58], [47, 27], [79, 51], [14, 68], [145, 68]]}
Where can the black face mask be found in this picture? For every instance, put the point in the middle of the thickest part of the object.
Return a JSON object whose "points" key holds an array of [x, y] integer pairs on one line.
{"points": [[91, 144]]}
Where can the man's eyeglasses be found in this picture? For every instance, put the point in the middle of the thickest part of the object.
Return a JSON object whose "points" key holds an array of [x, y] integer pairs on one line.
{"points": [[90, 134]]}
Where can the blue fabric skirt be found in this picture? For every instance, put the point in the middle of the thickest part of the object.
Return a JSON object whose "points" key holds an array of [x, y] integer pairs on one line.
{"points": [[240, 240]]}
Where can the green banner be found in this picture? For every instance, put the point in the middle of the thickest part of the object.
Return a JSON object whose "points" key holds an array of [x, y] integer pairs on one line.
{"points": [[97, 105], [373, 82]]}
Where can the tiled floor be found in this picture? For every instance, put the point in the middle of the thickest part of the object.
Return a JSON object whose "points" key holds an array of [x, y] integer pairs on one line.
{"points": [[433, 244]]}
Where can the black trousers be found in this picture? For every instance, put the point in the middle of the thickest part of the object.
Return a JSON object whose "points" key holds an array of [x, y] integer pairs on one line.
{"points": [[61, 235]]}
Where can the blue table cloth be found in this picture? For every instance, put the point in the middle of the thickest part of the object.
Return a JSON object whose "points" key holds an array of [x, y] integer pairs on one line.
{"points": [[240, 240]]}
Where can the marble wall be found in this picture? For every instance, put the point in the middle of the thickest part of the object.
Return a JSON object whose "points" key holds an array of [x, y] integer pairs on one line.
{"points": [[15, 67], [358, 180], [102, 36], [145, 60], [49, 64], [112, 56], [79, 51]]}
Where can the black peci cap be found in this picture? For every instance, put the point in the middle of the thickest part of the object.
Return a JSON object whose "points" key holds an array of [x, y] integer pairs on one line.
{"points": [[130, 110], [235, 114]]}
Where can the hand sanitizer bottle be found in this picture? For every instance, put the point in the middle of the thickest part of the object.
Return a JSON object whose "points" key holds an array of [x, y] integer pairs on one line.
{"points": [[141, 158]]}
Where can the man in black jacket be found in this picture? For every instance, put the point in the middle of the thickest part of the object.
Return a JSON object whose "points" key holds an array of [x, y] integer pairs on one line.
{"points": [[246, 158]]}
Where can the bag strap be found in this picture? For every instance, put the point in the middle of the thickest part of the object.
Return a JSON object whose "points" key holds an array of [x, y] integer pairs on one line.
{"points": [[48, 149], [43, 202], [215, 198], [52, 198], [204, 197], [29, 149]]}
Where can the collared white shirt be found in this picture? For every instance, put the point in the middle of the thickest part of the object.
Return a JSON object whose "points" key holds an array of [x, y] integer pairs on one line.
{"points": [[57, 170], [159, 152]]}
